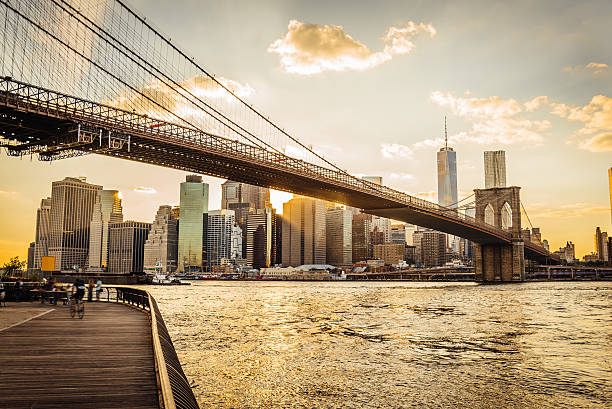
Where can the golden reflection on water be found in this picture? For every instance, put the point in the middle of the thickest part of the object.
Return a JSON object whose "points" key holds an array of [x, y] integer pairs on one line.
{"points": [[392, 344]]}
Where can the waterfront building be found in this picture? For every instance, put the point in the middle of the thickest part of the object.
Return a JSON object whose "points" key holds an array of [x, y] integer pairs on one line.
{"points": [[410, 254], [126, 246], [277, 239], [161, 247], [107, 209], [30, 263], [417, 238], [567, 253], [303, 232], [495, 169], [72, 204], [409, 229], [236, 246], [390, 253], [259, 237], [192, 225], [219, 236], [339, 237], [536, 235], [361, 238], [601, 244], [433, 248], [383, 226], [590, 258], [398, 234], [41, 241]]}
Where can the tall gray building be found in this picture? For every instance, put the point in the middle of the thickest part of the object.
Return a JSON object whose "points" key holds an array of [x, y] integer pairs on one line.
{"points": [[219, 236], [237, 192], [161, 247], [72, 204], [41, 243], [107, 209], [447, 174], [495, 169], [303, 232], [339, 237], [192, 225], [126, 246], [447, 182]]}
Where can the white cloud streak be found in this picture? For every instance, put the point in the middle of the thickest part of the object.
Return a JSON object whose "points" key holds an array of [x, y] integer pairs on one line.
{"points": [[308, 49]]}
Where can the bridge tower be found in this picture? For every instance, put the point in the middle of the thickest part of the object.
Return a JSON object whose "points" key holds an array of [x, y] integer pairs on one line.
{"points": [[500, 262]]}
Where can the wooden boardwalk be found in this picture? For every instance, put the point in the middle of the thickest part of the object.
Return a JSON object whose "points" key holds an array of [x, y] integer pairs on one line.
{"points": [[104, 360]]}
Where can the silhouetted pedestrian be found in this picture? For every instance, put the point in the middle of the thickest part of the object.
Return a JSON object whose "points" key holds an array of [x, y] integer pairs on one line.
{"points": [[18, 290], [90, 288], [98, 289]]}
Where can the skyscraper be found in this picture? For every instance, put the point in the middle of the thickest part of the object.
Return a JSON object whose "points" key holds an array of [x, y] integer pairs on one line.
{"points": [[236, 247], [192, 224], [107, 209], [72, 203], [601, 244], [362, 249], [495, 169], [447, 174], [303, 232], [259, 237], [219, 241], [447, 182], [161, 247], [41, 243], [237, 192], [339, 236], [126, 246]]}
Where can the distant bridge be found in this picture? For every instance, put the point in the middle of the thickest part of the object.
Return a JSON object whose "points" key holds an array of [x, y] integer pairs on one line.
{"points": [[83, 77]]}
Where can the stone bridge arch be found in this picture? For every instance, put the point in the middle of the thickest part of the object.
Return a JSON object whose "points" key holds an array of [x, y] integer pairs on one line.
{"points": [[500, 207]]}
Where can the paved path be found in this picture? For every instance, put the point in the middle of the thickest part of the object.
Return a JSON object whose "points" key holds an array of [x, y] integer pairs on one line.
{"points": [[104, 360]]}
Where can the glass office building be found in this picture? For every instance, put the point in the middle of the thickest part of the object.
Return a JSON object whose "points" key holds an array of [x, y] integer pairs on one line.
{"points": [[192, 225]]}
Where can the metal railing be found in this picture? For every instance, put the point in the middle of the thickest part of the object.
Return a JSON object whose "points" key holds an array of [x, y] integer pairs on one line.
{"points": [[174, 388]]}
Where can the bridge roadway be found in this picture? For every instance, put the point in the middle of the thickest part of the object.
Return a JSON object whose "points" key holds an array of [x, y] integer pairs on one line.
{"points": [[34, 120], [54, 361]]}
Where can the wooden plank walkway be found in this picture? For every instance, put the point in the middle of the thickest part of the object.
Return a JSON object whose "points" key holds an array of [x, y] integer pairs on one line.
{"points": [[104, 360]]}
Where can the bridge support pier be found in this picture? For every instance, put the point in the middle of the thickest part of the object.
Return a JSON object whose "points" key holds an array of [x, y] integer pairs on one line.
{"points": [[500, 263]]}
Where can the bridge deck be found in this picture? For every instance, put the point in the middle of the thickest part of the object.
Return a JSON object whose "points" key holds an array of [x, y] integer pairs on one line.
{"points": [[104, 360]]}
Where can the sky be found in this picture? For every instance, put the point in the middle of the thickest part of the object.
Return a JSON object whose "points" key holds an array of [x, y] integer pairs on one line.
{"points": [[369, 83]]}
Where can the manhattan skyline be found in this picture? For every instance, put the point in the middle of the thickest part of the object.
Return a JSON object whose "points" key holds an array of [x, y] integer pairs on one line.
{"points": [[370, 87]]}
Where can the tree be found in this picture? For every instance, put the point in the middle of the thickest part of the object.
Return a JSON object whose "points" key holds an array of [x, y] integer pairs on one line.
{"points": [[13, 265]]}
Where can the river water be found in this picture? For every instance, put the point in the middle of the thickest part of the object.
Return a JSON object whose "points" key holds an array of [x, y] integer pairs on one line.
{"points": [[393, 344]]}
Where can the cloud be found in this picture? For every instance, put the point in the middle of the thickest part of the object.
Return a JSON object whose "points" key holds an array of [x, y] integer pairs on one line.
{"points": [[597, 119], [567, 210], [403, 176], [495, 120], [144, 189], [6, 194], [601, 142], [395, 150], [308, 49], [177, 98], [594, 68]]}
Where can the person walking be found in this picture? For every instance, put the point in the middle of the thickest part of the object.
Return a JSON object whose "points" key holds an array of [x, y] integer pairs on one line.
{"points": [[98, 289], [2, 294], [18, 290], [90, 288]]}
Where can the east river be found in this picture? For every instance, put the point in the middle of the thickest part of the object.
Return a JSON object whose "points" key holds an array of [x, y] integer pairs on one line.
{"points": [[393, 344]]}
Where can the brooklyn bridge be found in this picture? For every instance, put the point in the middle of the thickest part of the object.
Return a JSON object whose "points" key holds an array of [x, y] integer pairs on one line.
{"points": [[94, 77]]}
